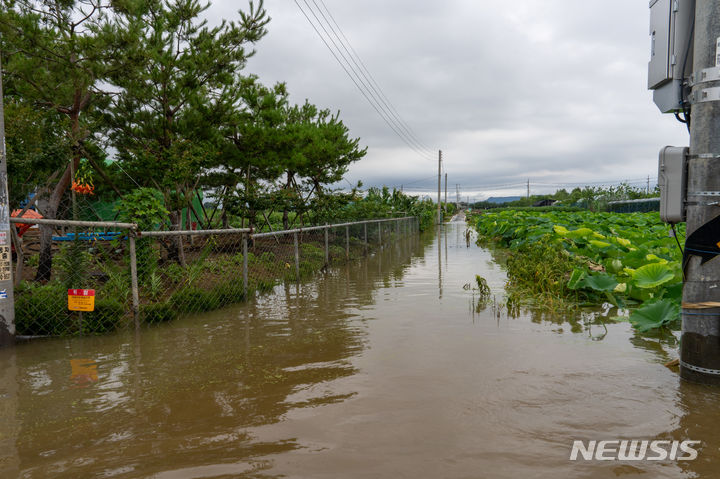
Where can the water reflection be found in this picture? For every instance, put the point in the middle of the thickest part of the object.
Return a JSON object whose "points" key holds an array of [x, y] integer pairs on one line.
{"points": [[9, 417], [184, 397], [699, 422], [83, 372]]}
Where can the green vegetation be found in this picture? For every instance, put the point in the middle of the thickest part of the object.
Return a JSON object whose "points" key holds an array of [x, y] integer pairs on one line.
{"points": [[41, 310], [595, 198], [582, 258], [158, 313], [212, 279]]}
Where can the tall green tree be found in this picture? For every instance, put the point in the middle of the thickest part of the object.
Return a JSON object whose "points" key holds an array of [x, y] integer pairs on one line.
{"points": [[256, 148], [179, 88], [36, 147], [323, 151], [55, 55]]}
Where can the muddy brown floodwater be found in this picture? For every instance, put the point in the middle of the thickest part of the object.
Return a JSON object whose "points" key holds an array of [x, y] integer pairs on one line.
{"points": [[387, 368]]}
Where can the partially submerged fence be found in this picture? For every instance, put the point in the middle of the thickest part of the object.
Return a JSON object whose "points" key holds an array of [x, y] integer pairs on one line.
{"points": [[154, 276]]}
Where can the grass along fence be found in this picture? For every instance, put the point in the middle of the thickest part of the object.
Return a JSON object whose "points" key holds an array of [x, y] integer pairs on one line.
{"points": [[155, 276]]}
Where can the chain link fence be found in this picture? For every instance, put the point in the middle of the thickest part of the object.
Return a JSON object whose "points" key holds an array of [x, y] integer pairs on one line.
{"points": [[137, 277]]}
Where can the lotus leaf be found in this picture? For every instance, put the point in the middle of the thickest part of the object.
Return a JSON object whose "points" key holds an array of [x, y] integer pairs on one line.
{"points": [[655, 315], [652, 275]]}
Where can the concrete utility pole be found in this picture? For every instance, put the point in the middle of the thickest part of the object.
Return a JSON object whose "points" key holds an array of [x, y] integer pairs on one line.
{"points": [[446, 188], [528, 188], [439, 213], [700, 350], [7, 297]]}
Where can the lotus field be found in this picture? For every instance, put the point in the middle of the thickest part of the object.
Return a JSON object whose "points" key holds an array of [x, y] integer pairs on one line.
{"points": [[631, 261]]}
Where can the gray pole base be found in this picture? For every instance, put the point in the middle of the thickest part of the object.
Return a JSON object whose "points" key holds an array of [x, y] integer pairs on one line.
{"points": [[6, 338], [700, 358]]}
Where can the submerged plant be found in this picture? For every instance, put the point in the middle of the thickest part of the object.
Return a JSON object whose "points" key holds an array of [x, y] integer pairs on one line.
{"points": [[482, 287]]}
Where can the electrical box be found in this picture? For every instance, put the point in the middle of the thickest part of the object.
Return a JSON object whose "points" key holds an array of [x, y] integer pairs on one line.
{"points": [[671, 41], [672, 179]]}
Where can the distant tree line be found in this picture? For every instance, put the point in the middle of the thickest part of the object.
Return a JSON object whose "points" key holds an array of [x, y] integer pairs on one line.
{"points": [[589, 197]]}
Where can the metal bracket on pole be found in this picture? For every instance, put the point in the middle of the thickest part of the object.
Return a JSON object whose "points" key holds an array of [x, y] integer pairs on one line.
{"points": [[698, 369], [704, 193], [705, 76], [704, 156], [706, 95]]}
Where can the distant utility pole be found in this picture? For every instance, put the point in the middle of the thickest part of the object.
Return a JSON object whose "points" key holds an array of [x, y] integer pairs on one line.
{"points": [[700, 345], [439, 213], [445, 188], [648, 185], [528, 188], [7, 298]]}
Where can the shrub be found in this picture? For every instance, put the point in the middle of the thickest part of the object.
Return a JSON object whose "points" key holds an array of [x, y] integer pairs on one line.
{"points": [[158, 313], [192, 299], [73, 262], [106, 317], [41, 310], [266, 257], [337, 254], [229, 293], [264, 285], [311, 253]]}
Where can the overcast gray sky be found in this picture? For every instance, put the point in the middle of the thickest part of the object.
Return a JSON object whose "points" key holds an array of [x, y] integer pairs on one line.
{"points": [[553, 91]]}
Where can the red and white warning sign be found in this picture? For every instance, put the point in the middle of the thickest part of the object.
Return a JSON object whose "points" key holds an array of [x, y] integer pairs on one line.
{"points": [[81, 299]]}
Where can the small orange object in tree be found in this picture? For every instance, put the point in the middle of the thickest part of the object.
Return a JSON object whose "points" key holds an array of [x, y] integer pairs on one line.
{"points": [[83, 181]]}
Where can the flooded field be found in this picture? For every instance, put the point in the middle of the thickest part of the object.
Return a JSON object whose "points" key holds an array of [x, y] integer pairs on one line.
{"points": [[386, 368]]}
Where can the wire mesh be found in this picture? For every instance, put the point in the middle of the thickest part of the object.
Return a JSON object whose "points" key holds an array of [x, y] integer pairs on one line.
{"points": [[175, 272], [188, 273], [50, 260]]}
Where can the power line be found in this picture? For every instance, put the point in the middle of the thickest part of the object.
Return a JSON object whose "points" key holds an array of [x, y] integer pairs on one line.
{"points": [[434, 177], [377, 106], [371, 80]]}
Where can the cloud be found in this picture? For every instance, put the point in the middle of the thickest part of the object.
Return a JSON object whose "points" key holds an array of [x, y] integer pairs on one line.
{"points": [[553, 91]]}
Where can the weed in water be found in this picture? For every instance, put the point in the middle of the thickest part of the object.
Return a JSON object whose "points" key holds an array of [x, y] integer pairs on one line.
{"points": [[482, 287]]}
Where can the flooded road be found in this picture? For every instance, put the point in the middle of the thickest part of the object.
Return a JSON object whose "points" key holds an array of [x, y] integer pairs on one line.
{"points": [[390, 367]]}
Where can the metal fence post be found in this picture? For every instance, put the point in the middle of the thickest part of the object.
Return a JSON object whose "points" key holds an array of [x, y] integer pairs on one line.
{"points": [[297, 256], [379, 233], [365, 237], [347, 243], [245, 265], [397, 228], [327, 247], [134, 281]]}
